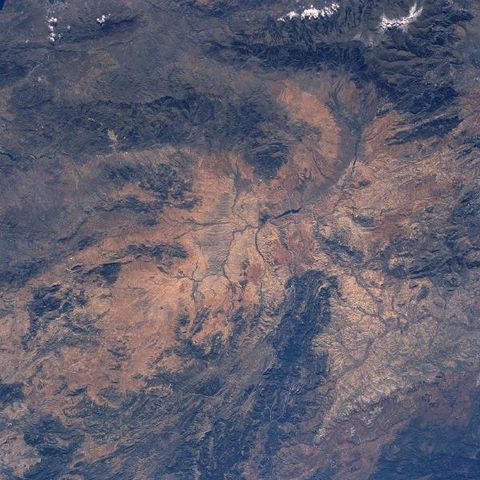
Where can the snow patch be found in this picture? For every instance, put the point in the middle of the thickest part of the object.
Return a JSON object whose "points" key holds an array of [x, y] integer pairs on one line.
{"points": [[312, 13], [402, 22], [291, 15], [52, 22], [102, 19]]}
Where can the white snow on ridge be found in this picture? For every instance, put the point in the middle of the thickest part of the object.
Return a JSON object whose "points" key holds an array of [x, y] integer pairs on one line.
{"points": [[402, 22], [312, 13]]}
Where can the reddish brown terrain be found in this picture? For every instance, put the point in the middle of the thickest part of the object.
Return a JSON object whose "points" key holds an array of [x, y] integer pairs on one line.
{"points": [[237, 247]]}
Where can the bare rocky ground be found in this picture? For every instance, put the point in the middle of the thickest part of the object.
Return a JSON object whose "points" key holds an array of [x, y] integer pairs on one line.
{"points": [[237, 247]]}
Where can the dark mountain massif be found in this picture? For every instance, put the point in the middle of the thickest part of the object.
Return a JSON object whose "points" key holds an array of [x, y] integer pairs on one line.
{"points": [[239, 240]]}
